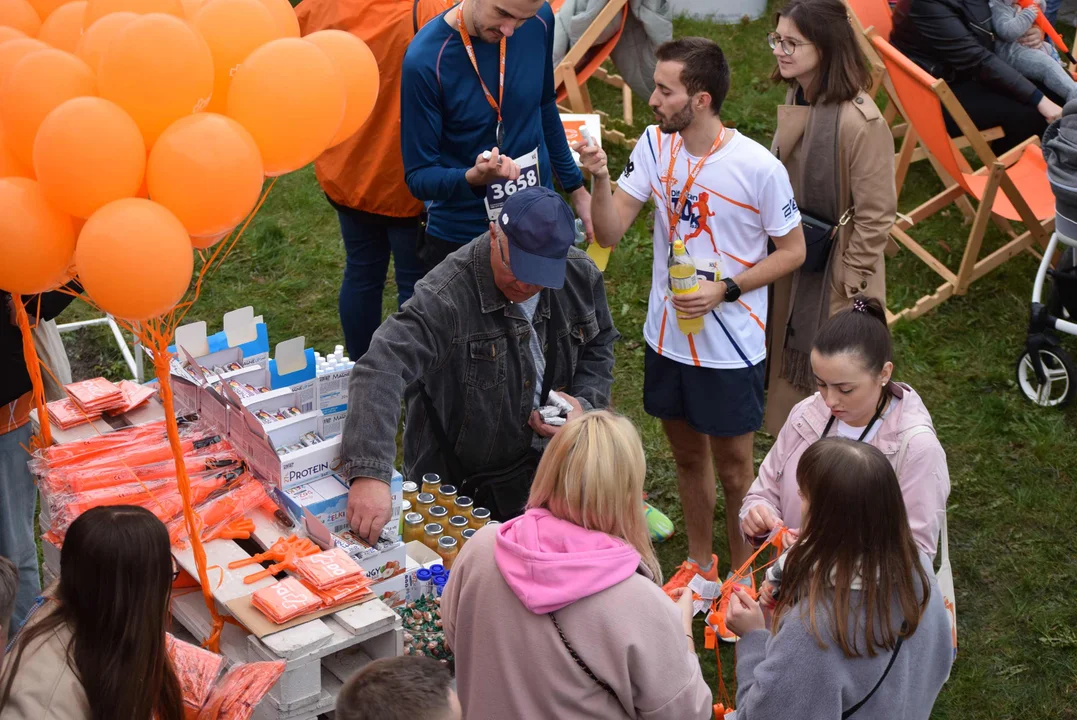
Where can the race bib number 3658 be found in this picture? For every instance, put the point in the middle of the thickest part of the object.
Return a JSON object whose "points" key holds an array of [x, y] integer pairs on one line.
{"points": [[498, 192]]}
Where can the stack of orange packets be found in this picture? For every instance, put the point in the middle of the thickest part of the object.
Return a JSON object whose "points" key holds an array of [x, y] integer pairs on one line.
{"points": [[133, 396], [96, 395], [334, 576], [285, 600], [65, 414]]}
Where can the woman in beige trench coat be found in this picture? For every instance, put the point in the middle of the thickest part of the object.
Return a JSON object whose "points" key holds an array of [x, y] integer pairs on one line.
{"points": [[818, 57]]}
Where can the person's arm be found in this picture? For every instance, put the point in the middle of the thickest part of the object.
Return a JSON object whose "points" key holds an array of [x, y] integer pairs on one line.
{"points": [[614, 212], [1010, 25], [406, 347], [871, 179], [761, 510], [943, 29], [787, 675], [593, 379]]}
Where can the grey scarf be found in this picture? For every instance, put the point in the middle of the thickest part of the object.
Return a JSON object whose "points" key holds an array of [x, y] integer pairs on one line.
{"points": [[820, 195]]}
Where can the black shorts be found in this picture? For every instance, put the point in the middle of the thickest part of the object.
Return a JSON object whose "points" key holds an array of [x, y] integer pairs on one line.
{"points": [[716, 402]]}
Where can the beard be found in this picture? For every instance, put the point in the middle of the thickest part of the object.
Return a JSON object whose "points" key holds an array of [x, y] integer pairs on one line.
{"points": [[678, 121]]}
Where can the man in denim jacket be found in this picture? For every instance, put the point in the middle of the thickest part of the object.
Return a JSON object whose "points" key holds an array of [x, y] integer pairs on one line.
{"points": [[467, 337]]}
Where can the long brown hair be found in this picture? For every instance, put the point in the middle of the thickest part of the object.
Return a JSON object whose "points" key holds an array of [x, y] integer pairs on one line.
{"points": [[856, 528], [843, 70], [115, 586]]}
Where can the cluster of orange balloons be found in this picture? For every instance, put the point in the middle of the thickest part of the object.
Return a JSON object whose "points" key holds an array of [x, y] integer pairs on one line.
{"points": [[132, 131]]}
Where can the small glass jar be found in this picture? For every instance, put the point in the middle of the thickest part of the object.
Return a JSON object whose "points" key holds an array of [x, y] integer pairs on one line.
{"points": [[405, 507], [413, 527], [431, 534], [440, 515], [457, 525], [431, 483], [479, 517], [448, 549], [463, 505], [493, 522], [446, 495], [467, 535], [411, 489], [423, 503]]}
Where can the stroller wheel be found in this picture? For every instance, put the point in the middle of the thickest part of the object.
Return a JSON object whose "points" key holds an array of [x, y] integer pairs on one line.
{"points": [[1061, 374]]}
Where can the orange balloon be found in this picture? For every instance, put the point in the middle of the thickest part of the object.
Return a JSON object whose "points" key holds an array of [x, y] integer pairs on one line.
{"points": [[190, 7], [205, 243], [63, 28], [9, 164], [158, 69], [206, 169], [284, 16], [291, 99], [88, 152], [98, 9], [134, 259], [20, 15], [97, 37], [359, 69], [38, 84], [45, 8], [233, 29], [39, 240], [10, 33], [13, 51]]}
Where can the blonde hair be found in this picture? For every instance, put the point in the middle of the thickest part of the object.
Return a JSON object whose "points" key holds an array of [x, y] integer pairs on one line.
{"points": [[592, 474]]}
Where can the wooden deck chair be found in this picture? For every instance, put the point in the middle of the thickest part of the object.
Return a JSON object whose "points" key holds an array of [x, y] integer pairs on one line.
{"points": [[873, 17], [1020, 174], [584, 62]]}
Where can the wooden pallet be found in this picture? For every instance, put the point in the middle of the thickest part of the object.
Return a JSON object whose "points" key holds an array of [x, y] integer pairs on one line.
{"points": [[319, 654]]}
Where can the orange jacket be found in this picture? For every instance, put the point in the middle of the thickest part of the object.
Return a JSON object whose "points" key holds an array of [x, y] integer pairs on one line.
{"points": [[366, 171]]}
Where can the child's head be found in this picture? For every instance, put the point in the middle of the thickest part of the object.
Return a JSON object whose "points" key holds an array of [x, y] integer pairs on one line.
{"points": [[9, 585], [399, 688], [855, 526]]}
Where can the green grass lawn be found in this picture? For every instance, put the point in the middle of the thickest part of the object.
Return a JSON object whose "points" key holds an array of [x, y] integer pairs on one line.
{"points": [[1013, 466]]}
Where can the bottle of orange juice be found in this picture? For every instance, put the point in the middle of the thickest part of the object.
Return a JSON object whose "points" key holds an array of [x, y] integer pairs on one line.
{"points": [[683, 280]]}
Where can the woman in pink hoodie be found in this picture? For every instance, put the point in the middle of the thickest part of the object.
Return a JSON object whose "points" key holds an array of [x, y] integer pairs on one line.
{"points": [[559, 613], [857, 399]]}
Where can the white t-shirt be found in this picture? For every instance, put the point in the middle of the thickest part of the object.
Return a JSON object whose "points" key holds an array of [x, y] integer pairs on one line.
{"points": [[741, 197], [853, 432]]}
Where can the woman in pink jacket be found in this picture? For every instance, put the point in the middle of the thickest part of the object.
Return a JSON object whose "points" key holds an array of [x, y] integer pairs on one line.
{"points": [[857, 399], [559, 613]]}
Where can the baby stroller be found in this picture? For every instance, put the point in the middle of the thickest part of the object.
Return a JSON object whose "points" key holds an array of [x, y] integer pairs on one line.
{"points": [[1046, 373]]}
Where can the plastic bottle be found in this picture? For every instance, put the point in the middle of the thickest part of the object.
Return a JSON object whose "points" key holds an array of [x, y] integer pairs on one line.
{"points": [[684, 281]]}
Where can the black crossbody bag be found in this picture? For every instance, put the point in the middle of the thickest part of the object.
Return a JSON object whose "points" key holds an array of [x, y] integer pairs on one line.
{"points": [[504, 490], [819, 237]]}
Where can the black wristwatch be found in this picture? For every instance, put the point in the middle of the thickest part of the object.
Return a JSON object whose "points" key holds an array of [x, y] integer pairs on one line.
{"points": [[732, 290]]}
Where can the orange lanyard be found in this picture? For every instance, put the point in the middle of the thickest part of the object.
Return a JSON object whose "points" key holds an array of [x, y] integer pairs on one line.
{"points": [[495, 104], [674, 151]]}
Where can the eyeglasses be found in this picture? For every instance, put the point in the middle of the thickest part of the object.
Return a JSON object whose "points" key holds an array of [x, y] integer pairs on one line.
{"points": [[175, 570], [788, 46]]}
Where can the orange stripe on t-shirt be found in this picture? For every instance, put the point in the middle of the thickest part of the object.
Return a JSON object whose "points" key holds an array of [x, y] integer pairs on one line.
{"points": [[692, 347], [752, 314], [728, 199], [658, 138], [745, 263], [662, 329]]}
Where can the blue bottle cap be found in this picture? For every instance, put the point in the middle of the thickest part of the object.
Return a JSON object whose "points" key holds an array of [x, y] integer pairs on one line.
{"points": [[440, 579], [423, 575], [438, 569]]}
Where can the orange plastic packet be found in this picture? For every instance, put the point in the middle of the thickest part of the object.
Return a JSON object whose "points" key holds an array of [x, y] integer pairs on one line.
{"points": [[241, 689], [218, 510], [328, 569], [197, 671], [96, 394], [66, 414], [284, 600], [345, 592], [133, 396]]}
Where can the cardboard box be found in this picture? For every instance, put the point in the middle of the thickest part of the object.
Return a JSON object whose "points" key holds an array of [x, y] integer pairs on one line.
{"points": [[259, 445], [293, 366], [326, 499], [332, 391], [242, 331], [333, 421]]}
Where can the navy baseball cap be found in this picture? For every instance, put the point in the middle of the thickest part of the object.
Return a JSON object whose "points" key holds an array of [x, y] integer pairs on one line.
{"points": [[540, 228]]}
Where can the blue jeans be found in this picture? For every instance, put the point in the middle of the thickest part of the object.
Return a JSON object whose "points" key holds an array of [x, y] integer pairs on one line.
{"points": [[1052, 10], [18, 498], [368, 245]]}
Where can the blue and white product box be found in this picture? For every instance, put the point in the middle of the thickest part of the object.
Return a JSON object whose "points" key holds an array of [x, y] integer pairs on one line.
{"points": [[396, 487], [326, 499], [259, 443], [293, 366], [242, 332], [333, 422], [333, 389]]}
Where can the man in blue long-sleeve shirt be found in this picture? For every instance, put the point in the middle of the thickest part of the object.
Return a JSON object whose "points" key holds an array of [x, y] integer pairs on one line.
{"points": [[451, 115]]}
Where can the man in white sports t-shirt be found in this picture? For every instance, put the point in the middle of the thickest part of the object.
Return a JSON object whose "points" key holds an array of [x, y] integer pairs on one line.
{"points": [[707, 388]]}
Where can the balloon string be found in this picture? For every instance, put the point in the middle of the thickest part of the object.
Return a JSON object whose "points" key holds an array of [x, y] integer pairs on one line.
{"points": [[33, 368]]}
